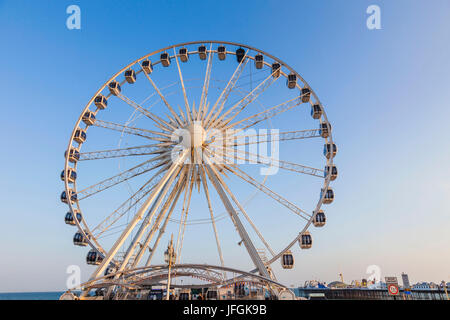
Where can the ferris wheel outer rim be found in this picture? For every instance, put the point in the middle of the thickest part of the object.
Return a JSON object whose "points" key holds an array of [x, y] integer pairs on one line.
{"points": [[92, 241]]}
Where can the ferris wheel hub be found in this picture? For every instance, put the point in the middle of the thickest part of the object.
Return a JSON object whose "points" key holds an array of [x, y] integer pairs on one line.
{"points": [[192, 136]]}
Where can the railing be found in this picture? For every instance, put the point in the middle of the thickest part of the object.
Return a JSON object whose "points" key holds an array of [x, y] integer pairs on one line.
{"points": [[372, 294]]}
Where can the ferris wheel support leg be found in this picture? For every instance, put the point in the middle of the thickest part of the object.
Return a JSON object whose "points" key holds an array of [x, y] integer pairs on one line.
{"points": [[163, 211], [142, 228], [216, 181], [208, 199], [184, 214], [163, 228], [138, 216], [146, 222], [241, 208]]}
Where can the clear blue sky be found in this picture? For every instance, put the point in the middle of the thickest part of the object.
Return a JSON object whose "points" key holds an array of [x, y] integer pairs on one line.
{"points": [[386, 91]]}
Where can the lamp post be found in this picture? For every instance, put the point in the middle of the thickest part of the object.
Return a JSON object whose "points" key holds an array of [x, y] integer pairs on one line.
{"points": [[444, 284], [169, 258]]}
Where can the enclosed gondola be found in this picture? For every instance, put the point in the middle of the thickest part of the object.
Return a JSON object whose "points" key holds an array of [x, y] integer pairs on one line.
{"points": [[79, 240], [325, 129], [72, 195], [114, 88], [165, 59], [319, 219], [240, 54], [184, 55], [332, 171], [306, 94], [80, 136], [70, 219], [329, 150], [147, 66], [88, 118], [130, 76], [100, 102], [276, 69], [305, 240], [222, 52], [291, 81], [328, 196], [74, 155], [316, 111], [259, 61], [94, 257], [71, 175], [202, 52], [287, 260]]}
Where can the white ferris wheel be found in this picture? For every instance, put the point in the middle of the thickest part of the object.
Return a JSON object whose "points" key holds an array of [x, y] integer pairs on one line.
{"points": [[189, 137]]}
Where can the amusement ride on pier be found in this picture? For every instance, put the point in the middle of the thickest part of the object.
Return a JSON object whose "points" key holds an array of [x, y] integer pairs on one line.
{"points": [[186, 118]]}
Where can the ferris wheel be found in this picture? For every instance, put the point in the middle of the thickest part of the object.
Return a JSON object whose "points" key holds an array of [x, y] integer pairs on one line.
{"points": [[189, 136]]}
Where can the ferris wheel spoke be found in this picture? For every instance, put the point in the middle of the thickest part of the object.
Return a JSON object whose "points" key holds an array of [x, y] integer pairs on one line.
{"points": [[168, 94], [149, 134], [204, 95], [194, 112], [160, 123], [162, 97], [173, 121], [182, 187], [213, 222], [220, 187], [230, 158], [241, 209], [186, 102], [147, 220], [125, 152], [185, 120], [266, 114], [244, 102], [189, 112], [111, 231], [197, 177], [225, 93], [258, 233], [244, 176], [184, 215], [141, 168], [240, 140], [185, 199], [129, 204], [159, 218]]}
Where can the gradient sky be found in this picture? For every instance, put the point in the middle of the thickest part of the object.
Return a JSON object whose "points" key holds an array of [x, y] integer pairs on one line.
{"points": [[387, 94]]}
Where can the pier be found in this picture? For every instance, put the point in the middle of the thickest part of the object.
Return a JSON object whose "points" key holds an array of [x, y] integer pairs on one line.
{"points": [[369, 294]]}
